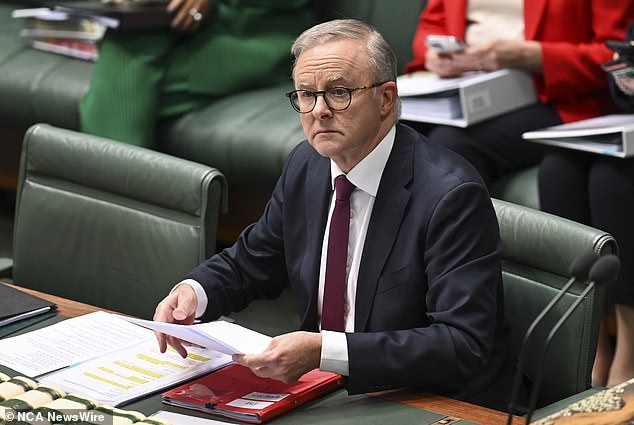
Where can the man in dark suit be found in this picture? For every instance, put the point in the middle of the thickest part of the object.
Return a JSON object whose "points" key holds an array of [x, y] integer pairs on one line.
{"points": [[422, 302]]}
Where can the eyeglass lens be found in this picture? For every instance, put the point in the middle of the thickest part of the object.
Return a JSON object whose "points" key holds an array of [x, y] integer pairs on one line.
{"points": [[337, 99]]}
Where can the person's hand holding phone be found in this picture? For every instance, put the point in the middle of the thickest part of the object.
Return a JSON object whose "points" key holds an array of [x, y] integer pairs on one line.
{"points": [[489, 56], [621, 68]]}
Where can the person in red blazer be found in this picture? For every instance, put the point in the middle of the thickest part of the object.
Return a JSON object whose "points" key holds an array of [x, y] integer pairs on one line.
{"points": [[562, 46], [598, 190]]}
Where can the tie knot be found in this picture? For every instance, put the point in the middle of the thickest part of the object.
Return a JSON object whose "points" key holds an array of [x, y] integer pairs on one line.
{"points": [[343, 187]]}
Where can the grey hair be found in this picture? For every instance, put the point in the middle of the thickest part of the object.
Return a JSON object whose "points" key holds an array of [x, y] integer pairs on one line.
{"points": [[381, 57]]}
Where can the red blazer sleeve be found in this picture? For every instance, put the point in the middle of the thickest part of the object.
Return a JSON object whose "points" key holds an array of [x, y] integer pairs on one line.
{"points": [[573, 38], [439, 17]]}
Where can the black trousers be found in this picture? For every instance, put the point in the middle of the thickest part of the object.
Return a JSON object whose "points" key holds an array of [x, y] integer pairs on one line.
{"points": [[495, 147], [598, 191]]}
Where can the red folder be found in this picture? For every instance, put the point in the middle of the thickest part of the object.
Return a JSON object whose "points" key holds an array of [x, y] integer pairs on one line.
{"points": [[235, 392]]}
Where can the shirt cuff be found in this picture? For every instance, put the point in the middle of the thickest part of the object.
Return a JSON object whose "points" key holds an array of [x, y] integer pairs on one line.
{"points": [[201, 295], [334, 352]]}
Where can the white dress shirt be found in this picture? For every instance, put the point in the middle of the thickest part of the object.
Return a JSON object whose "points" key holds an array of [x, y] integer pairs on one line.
{"points": [[366, 176]]}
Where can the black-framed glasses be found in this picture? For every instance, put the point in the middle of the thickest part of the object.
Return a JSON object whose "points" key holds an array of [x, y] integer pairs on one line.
{"points": [[337, 98]]}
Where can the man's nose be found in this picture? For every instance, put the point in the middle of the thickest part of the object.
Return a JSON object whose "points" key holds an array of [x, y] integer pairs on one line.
{"points": [[321, 109]]}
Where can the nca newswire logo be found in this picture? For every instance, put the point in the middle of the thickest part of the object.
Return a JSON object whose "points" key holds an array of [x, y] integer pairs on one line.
{"points": [[57, 416]]}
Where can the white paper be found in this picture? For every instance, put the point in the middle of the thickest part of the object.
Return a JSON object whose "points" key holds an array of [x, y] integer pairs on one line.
{"points": [[43, 13], [134, 372], [426, 83], [614, 123], [222, 336], [180, 419], [68, 342]]}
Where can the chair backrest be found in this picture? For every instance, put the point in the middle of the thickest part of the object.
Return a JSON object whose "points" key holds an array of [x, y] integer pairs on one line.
{"points": [[107, 223], [537, 250], [397, 24]]}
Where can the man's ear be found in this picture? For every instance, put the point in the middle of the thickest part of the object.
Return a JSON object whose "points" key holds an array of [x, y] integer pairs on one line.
{"points": [[389, 97]]}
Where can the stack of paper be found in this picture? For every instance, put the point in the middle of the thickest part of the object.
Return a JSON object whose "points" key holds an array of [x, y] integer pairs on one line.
{"points": [[61, 33]]}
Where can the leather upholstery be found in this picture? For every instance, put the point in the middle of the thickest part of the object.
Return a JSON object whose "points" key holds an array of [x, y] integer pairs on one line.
{"points": [[107, 223], [538, 249]]}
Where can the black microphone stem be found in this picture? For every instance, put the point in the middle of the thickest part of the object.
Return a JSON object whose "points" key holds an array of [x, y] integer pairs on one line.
{"points": [[522, 356], [540, 366], [578, 271]]}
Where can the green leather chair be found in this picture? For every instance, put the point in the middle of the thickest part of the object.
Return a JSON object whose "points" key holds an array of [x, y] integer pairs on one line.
{"points": [[537, 250], [107, 223]]}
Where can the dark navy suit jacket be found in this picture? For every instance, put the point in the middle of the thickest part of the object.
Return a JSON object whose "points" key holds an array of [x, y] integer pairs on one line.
{"points": [[429, 303]]}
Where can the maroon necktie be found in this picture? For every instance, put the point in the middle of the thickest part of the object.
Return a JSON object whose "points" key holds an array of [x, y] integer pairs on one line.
{"points": [[337, 258]]}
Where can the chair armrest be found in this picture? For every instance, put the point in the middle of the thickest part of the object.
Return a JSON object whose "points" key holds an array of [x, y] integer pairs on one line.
{"points": [[6, 267]]}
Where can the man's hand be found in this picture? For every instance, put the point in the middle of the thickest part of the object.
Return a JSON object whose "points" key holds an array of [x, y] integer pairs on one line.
{"points": [[178, 307], [188, 14], [286, 358]]}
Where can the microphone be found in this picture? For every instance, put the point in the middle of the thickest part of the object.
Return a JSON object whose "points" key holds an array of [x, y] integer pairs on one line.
{"points": [[578, 270], [604, 271]]}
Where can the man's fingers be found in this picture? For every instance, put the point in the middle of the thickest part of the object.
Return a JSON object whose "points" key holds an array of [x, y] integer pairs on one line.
{"points": [[177, 345], [162, 342], [248, 360], [179, 314], [178, 307]]}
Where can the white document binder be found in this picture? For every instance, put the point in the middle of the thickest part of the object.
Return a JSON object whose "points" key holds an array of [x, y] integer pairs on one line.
{"points": [[607, 135], [465, 100]]}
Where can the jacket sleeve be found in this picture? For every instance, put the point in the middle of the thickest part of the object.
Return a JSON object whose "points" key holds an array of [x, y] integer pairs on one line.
{"points": [[573, 52], [432, 20]]}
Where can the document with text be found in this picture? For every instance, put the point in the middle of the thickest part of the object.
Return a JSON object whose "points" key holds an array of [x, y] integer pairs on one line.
{"points": [[126, 375], [225, 337], [69, 342], [115, 359]]}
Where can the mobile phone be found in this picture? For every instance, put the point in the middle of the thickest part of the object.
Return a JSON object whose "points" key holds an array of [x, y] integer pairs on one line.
{"points": [[445, 43], [623, 48]]}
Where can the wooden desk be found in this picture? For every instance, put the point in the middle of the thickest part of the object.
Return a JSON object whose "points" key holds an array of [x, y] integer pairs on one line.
{"points": [[431, 403], [65, 307]]}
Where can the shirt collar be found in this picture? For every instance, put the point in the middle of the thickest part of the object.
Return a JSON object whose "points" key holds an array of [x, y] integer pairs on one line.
{"points": [[366, 175]]}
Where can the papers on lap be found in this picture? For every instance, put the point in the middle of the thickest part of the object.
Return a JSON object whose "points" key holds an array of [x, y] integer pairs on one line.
{"points": [[466, 100], [146, 14], [611, 135]]}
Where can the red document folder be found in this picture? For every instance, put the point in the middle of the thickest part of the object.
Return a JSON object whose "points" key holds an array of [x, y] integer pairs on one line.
{"points": [[235, 392]]}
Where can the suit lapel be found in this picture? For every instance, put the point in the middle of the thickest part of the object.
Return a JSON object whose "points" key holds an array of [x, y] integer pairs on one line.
{"points": [[455, 13], [317, 194], [533, 12], [390, 204]]}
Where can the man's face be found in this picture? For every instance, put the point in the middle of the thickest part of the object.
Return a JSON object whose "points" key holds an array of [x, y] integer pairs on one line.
{"points": [[345, 136]]}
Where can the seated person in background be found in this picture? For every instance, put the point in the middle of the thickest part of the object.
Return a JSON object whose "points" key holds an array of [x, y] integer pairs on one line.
{"points": [[413, 295], [598, 191], [212, 49], [561, 43]]}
